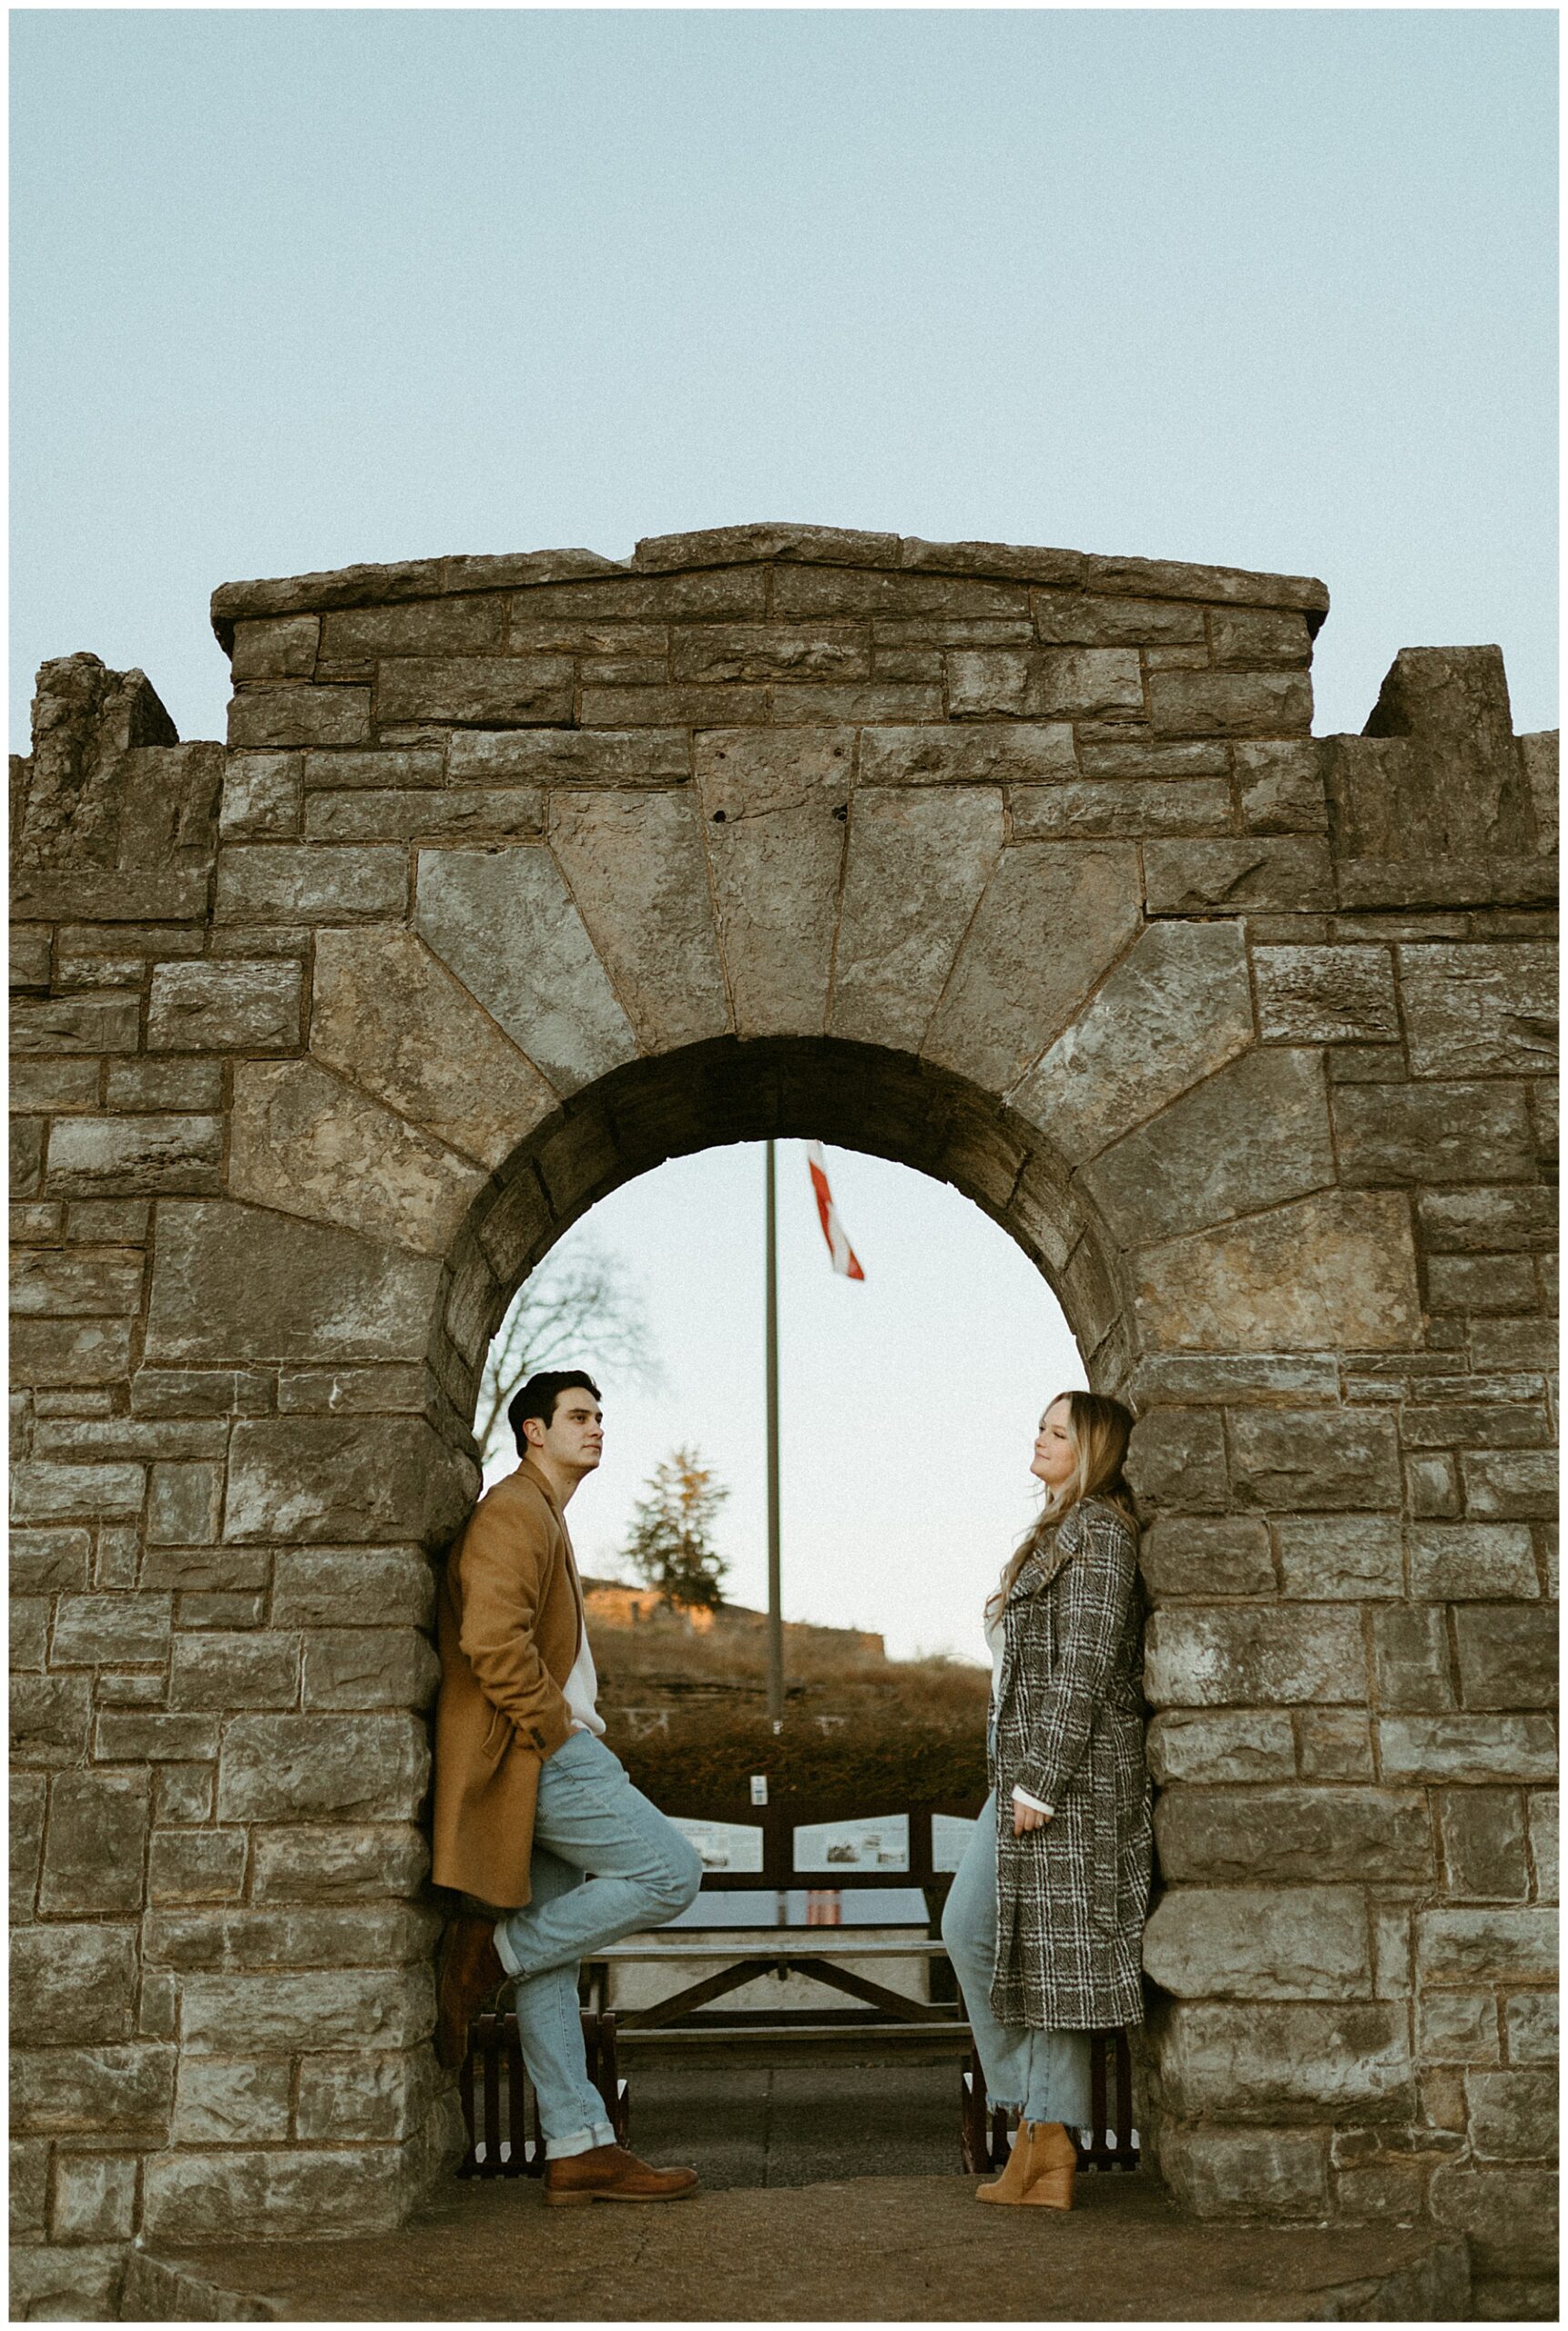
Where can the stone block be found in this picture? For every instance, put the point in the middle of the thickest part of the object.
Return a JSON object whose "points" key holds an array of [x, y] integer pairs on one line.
{"points": [[27, 1155], [196, 1866], [1259, 636], [127, 1156], [554, 999], [1542, 1806], [76, 1023], [1531, 2021], [1019, 753], [562, 756], [71, 2282], [208, 1939], [1281, 787], [386, 1014], [165, 1084], [773, 811], [182, 1504], [102, 2091], [281, 649], [1431, 1132], [1512, 2114], [279, 2014], [225, 1007], [261, 797], [1473, 1009], [1490, 1283], [445, 626], [1251, 1942], [321, 1864], [96, 1844], [50, 1716], [1466, 1748], [1284, 2063], [1411, 1659], [41, 1561], [800, 591], [1334, 1744], [370, 1667], [659, 706], [72, 1982], [28, 1794], [71, 1285], [1508, 2216], [234, 1671], [237, 2194], [107, 1630], [917, 863], [1230, 704], [308, 1143], [1333, 1270], [1515, 1483], [1343, 1557], [1326, 995], [1287, 874], [1507, 1657], [1482, 1832], [1177, 1008], [184, 1792], [1119, 805], [638, 875], [323, 1586], [1294, 1836], [1452, 703], [749, 652], [358, 2098], [240, 2100], [1455, 1561], [1254, 1135], [325, 1481], [1184, 1556], [29, 2159], [1247, 2172], [1233, 1657], [51, 1085], [73, 1353], [29, 1631], [1457, 2027], [1487, 1221], [283, 883], [293, 1768], [362, 813], [1252, 1744], [384, 770], [262, 716], [1176, 1461], [1313, 1461], [508, 691], [1530, 1343], [1076, 619], [94, 2197], [238, 1283]]}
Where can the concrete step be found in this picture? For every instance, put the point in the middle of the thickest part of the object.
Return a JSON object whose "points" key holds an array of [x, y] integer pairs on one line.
{"points": [[867, 2249]]}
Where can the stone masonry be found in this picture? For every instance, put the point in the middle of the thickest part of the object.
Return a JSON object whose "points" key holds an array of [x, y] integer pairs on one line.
{"points": [[520, 875]]}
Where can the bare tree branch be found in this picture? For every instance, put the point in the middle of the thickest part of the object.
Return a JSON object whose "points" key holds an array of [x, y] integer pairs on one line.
{"points": [[581, 1308]]}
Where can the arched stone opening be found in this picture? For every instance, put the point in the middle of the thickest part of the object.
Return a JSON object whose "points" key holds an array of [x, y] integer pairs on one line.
{"points": [[518, 874]]}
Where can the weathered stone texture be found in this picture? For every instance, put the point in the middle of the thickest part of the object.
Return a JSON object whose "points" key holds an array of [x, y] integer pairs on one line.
{"points": [[1017, 865]]}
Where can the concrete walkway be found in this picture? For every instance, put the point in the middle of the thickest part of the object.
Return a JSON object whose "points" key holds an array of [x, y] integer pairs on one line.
{"points": [[889, 2249]]}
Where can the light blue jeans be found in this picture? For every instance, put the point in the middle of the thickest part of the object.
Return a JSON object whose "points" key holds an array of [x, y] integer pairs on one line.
{"points": [[1040, 2075], [590, 1824]]}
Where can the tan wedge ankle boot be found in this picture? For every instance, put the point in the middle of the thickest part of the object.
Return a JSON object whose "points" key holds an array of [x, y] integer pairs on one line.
{"points": [[1009, 2186], [1050, 2164]]}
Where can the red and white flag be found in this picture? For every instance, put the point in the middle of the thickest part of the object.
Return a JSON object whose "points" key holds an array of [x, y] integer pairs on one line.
{"points": [[838, 1246]]}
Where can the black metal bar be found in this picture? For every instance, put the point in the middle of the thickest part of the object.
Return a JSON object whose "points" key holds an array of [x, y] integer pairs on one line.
{"points": [[712, 1986], [490, 2057], [894, 2003], [469, 2166], [517, 2100]]}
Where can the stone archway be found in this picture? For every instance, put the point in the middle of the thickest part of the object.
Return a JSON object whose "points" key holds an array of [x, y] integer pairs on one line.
{"points": [[519, 875]]}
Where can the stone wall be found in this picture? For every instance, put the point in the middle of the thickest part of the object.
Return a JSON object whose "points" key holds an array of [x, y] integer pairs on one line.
{"points": [[518, 876]]}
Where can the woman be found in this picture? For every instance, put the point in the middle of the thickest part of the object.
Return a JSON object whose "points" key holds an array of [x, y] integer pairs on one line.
{"points": [[1045, 1919]]}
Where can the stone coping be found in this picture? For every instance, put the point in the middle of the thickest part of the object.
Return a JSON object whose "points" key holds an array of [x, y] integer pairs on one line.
{"points": [[433, 578]]}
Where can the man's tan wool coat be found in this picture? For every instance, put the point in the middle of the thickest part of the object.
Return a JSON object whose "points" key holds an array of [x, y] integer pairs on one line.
{"points": [[510, 1623]]}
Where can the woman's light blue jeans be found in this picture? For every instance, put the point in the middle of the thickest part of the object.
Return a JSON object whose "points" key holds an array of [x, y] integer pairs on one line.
{"points": [[590, 1824], [1040, 2075]]}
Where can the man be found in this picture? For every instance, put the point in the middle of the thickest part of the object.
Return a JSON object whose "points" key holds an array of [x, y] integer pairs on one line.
{"points": [[529, 1801]]}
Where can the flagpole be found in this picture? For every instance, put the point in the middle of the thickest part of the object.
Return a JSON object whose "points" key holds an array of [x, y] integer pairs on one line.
{"points": [[775, 1599]]}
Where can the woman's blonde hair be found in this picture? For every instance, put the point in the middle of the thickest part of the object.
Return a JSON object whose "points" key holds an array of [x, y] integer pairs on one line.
{"points": [[1099, 1429]]}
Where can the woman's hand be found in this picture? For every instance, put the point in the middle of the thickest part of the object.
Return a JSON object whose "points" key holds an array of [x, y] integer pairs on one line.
{"points": [[1026, 1817]]}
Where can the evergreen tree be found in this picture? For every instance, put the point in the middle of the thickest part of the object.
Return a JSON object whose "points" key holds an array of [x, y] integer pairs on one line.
{"points": [[671, 1544]]}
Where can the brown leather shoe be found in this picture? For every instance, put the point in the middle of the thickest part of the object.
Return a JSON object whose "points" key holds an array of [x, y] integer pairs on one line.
{"points": [[469, 1974], [611, 2174]]}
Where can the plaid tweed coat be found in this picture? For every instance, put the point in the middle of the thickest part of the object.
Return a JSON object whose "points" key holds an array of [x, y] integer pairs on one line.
{"points": [[1071, 1895]]}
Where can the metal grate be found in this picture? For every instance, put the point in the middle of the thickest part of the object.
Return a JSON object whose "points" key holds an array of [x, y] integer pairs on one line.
{"points": [[1111, 2142], [499, 2106]]}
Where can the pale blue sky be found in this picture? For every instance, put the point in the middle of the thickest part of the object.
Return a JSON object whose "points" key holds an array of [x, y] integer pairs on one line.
{"points": [[1274, 289]]}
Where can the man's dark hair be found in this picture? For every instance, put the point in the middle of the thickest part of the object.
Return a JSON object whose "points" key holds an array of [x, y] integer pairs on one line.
{"points": [[538, 1397]]}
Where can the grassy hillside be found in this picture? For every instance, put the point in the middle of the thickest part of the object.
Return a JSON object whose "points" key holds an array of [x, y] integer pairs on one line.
{"points": [[686, 1712]]}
